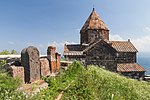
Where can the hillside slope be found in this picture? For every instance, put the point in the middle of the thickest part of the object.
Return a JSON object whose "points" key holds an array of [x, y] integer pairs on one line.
{"points": [[94, 83]]}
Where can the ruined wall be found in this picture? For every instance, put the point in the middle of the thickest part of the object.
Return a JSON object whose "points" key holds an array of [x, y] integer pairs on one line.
{"points": [[126, 57]]}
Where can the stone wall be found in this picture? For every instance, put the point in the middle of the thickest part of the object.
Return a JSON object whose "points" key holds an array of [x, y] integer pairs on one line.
{"points": [[126, 57], [101, 55]]}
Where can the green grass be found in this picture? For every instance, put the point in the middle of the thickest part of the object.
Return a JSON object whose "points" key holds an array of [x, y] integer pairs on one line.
{"points": [[98, 84], [93, 83], [8, 87]]}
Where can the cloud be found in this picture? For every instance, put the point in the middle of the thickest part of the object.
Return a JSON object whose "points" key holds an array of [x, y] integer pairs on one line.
{"points": [[142, 44], [116, 37], [146, 29], [10, 42], [60, 45]]}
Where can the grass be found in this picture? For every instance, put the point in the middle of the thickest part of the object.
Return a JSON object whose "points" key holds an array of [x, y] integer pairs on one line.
{"points": [[8, 87], [93, 83]]}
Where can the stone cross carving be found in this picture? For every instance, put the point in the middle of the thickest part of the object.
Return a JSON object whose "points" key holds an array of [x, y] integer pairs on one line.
{"points": [[31, 63]]}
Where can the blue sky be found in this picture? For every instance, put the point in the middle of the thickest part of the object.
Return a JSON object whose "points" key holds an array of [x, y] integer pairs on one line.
{"points": [[55, 22]]}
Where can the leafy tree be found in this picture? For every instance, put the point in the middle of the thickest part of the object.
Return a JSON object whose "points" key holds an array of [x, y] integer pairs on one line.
{"points": [[4, 52], [13, 52]]}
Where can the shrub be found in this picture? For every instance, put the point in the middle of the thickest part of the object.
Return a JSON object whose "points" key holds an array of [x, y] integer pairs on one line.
{"points": [[8, 87]]}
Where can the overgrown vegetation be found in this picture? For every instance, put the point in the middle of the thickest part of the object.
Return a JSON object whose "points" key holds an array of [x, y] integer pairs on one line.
{"points": [[60, 82], [93, 83], [6, 52], [8, 87]]}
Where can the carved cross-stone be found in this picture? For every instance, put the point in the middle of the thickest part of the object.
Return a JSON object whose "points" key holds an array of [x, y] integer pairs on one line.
{"points": [[31, 63]]}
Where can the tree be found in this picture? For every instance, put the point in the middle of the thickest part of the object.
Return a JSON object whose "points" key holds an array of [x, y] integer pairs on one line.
{"points": [[4, 52], [13, 52]]}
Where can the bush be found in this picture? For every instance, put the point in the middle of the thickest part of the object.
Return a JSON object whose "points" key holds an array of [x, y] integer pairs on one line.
{"points": [[8, 87], [6, 52]]}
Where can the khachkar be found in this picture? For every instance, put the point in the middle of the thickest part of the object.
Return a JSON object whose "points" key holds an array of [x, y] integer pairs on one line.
{"points": [[54, 59], [31, 63]]}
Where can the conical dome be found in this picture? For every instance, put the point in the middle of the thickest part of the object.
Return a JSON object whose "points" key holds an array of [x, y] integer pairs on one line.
{"points": [[94, 22]]}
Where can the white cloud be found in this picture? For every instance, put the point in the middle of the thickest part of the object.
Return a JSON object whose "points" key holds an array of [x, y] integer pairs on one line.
{"points": [[60, 45], [142, 44], [146, 29], [116, 37], [10, 42]]}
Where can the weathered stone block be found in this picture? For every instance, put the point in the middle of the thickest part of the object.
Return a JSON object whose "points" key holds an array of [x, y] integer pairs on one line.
{"points": [[53, 66], [45, 67], [31, 63], [58, 57], [17, 72]]}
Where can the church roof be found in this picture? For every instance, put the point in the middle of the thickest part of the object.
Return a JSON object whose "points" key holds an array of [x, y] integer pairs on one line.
{"points": [[74, 49], [94, 22], [123, 46], [119, 46], [129, 67], [95, 43]]}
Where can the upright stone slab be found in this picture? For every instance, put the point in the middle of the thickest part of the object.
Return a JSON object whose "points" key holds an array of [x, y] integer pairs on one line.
{"points": [[45, 67], [31, 63], [52, 58], [58, 57]]}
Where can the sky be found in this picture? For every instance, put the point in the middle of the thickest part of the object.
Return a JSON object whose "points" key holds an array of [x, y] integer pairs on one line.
{"points": [[41, 23]]}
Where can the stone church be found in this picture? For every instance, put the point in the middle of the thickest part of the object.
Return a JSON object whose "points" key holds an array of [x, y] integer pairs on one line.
{"points": [[95, 48]]}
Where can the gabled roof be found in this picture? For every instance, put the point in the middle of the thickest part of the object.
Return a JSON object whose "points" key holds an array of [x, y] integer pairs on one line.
{"points": [[95, 43], [74, 49], [94, 22], [123, 46], [129, 67]]}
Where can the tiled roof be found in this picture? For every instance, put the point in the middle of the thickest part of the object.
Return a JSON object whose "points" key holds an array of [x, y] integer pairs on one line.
{"points": [[75, 49], [129, 67], [73, 53], [94, 22], [123, 46]]}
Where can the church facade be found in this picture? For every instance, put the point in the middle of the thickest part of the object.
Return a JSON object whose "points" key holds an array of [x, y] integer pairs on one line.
{"points": [[95, 48]]}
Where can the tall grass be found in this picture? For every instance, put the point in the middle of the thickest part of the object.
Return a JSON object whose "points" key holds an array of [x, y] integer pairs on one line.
{"points": [[93, 83], [98, 84], [8, 87]]}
